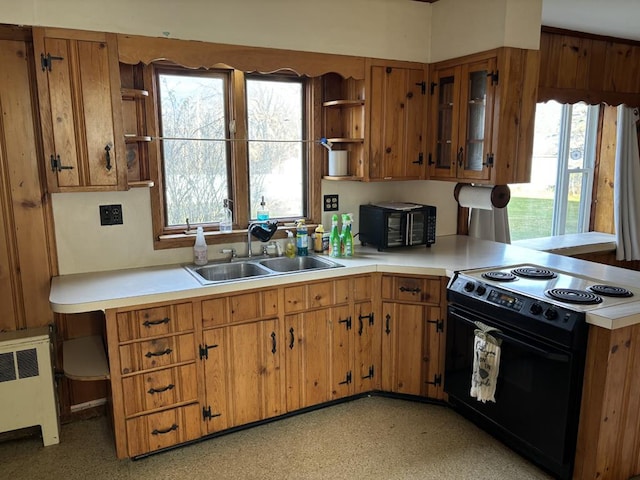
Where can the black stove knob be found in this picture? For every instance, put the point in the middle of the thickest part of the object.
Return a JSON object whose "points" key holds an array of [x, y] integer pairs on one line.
{"points": [[536, 309], [469, 287], [481, 289], [550, 314]]}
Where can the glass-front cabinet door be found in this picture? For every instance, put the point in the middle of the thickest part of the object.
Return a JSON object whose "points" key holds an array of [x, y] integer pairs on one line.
{"points": [[442, 163], [474, 158]]}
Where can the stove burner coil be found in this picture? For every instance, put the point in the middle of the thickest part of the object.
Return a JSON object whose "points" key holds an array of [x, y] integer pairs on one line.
{"points": [[569, 295], [610, 291], [534, 272], [499, 276]]}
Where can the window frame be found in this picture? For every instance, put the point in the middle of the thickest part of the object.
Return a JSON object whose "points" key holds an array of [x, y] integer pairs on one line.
{"points": [[173, 237]]}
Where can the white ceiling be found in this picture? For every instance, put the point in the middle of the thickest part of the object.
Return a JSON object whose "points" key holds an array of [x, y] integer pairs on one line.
{"points": [[615, 18]]}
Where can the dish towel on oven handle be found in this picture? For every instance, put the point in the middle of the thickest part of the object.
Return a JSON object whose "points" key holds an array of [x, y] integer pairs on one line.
{"points": [[486, 363]]}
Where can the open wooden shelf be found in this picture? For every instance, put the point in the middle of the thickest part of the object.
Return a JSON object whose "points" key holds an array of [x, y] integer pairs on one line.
{"points": [[133, 93], [343, 103], [137, 138], [84, 359], [345, 140], [141, 184], [342, 178]]}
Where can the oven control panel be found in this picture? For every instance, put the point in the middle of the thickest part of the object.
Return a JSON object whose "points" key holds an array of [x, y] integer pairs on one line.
{"points": [[505, 299]]}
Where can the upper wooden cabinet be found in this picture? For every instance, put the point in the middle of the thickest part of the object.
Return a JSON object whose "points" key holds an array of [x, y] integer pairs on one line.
{"points": [[78, 81], [482, 117], [397, 104]]}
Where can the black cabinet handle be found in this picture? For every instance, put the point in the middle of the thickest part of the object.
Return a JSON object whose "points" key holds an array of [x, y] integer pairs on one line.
{"points": [[291, 339], [360, 327], [107, 156], [387, 330], [162, 432], [150, 323], [410, 290], [158, 354], [273, 342], [160, 390], [460, 157]]}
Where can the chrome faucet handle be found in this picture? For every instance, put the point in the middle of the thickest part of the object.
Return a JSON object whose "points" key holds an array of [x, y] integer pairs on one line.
{"points": [[232, 251]]}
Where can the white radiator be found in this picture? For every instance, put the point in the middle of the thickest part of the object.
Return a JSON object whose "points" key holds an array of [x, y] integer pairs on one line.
{"points": [[27, 390]]}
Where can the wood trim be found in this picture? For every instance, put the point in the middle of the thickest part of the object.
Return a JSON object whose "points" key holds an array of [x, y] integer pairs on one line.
{"points": [[193, 54], [569, 95], [591, 36]]}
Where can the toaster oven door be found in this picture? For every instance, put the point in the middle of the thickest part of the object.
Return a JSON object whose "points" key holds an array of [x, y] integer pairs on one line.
{"points": [[395, 229], [416, 228]]}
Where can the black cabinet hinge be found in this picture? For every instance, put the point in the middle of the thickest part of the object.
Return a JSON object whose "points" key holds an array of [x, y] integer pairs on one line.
{"points": [[432, 87], [347, 321], [437, 380], [204, 351], [439, 324], [362, 317], [207, 415], [495, 76], [371, 372], [423, 87], [430, 161], [420, 159], [56, 164], [347, 380], [47, 60], [489, 162]]}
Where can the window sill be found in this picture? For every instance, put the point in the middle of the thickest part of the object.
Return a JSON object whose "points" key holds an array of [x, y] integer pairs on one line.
{"points": [[180, 240], [571, 244]]}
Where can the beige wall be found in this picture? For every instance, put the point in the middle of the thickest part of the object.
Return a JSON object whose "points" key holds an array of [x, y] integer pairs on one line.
{"points": [[396, 29]]}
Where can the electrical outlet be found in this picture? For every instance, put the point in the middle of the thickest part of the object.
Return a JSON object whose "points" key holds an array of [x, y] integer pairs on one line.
{"points": [[331, 203], [110, 214]]}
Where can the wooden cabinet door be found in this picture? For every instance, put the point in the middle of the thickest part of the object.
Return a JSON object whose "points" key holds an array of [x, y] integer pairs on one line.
{"points": [[402, 347], [368, 341], [243, 373], [433, 356], [445, 101], [474, 158], [397, 107], [78, 82]]}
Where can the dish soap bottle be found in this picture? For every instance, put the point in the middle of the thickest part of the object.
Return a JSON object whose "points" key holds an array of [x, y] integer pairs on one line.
{"points": [[317, 239], [334, 238], [290, 247], [200, 254], [302, 238], [263, 213], [347, 235], [226, 222]]}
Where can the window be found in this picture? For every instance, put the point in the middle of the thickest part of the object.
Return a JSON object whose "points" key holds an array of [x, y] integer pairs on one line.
{"points": [[558, 199], [227, 135]]}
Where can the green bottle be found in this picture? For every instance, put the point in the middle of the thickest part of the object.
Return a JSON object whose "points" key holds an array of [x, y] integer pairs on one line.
{"points": [[347, 235], [334, 238]]}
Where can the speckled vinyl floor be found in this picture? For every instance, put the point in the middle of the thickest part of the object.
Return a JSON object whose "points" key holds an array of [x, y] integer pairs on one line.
{"points": [[369, 438]]}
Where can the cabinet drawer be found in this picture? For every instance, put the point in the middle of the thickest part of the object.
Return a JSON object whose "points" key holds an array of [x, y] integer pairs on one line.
{"points": [[316, 295], [153, 322], [160, 352], [164, 429], [239, 308], [362, 288], [411, 289], [163, 388]]}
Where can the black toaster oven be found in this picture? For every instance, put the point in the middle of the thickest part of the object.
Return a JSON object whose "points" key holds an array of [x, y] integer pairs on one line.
{"points": [[396, 224]]}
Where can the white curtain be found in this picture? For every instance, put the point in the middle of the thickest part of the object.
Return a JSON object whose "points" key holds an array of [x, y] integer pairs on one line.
{"points": [[490, 224], [627, 186]]}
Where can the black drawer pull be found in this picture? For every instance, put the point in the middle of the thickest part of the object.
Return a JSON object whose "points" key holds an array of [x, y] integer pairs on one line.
{"points": [[387, 330], [410, 290], [151, 323], [292, 339], [273, 342], [160, 390], [168, 430], [158, 354], [107, 156]]}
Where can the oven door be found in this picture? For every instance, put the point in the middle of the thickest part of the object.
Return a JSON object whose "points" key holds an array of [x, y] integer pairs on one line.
{"points": [[537, 393]]}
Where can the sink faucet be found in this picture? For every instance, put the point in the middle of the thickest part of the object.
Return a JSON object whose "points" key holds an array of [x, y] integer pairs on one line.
{"points": [[265, 234]]}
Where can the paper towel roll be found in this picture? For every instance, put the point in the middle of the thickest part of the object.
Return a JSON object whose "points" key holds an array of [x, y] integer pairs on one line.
{"points": [[485, 198]]}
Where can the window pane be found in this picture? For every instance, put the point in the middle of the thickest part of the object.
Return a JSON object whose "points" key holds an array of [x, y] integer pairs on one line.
{"points": [[578, 131], [574, 193], [193, 123], [276, 158], [531, 204]]}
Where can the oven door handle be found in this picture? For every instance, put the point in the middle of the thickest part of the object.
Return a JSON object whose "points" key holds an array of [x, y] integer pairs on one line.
{"points": [[553, 356]]}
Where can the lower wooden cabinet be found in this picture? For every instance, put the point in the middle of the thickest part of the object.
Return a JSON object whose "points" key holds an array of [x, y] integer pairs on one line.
{"points": [[198, 367]]}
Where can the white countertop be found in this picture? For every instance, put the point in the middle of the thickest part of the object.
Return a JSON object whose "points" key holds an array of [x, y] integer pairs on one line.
{"points": [[125, 288], [572, 243]]}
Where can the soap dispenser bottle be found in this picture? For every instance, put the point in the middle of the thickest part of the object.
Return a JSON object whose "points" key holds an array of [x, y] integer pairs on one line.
{"points": [[290, 247], [263, 212], [226, 222], [200, 254]]}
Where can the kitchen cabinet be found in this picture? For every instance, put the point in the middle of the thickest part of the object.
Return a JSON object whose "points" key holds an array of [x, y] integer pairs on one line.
{"points": [[78, 81], [396, 105], [319, 354], [413, 335], [154, 377], [482, 112], [343, 122], [367, 334]]}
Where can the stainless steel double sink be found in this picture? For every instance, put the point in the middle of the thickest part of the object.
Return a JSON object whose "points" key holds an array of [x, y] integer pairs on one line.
{"points": [[259, 267]]}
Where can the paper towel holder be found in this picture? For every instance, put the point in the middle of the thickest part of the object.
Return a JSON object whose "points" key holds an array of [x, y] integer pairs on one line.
{"points": [[500, 194]]}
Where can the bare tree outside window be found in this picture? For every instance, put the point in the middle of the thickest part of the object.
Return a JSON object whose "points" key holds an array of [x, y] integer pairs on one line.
{"points": [[195, 153]]}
